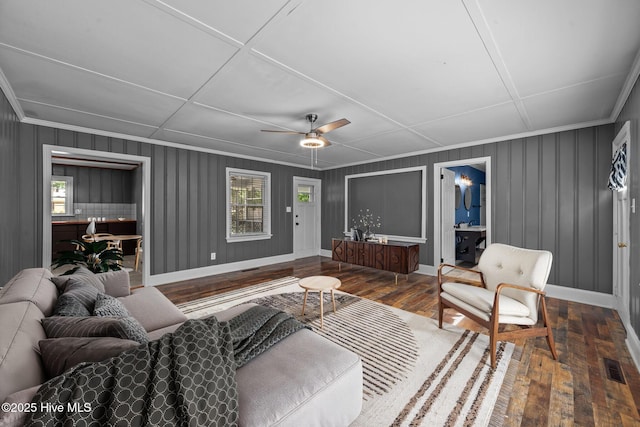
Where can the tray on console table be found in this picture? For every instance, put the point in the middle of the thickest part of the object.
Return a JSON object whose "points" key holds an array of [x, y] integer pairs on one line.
{"points": [[397, 257]]}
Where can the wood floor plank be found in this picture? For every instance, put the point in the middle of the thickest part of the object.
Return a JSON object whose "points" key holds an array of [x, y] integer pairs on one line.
{"points": [[572, 391]]}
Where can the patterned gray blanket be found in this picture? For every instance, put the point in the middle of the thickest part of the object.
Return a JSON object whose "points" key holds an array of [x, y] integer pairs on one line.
{"points": [[186, 378]]}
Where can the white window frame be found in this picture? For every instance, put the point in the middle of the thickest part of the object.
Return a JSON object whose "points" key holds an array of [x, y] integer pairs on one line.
{"points": [[68, 200], [266, 219]]}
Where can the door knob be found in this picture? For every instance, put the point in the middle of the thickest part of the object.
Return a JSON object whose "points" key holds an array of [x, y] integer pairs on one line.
{"points": [[622, 245]]}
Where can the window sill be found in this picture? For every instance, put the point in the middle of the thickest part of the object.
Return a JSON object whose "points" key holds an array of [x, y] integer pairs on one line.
{"points": [[249, 238]]}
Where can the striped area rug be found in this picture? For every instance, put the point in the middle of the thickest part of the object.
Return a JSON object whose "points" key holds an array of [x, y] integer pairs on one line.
{"points": [[414, 374]]}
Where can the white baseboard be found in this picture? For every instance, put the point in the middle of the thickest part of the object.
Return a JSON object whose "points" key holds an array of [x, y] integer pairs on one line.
{"points": [[195, 273], [633, 345], [578, 295]]}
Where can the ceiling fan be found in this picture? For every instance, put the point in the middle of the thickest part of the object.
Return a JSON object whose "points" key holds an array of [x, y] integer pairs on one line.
{"points": [[314, 138]]}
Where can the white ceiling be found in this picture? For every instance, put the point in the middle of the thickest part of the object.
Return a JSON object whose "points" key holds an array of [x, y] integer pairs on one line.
{"points": [[412, 76]]}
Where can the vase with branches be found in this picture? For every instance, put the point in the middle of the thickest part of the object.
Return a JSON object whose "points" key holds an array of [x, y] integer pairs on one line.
{"points": [[365, 220]]}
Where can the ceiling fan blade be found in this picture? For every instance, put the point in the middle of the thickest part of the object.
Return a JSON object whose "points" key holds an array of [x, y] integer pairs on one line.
{"points": [[332, 125], [289, 132], [325, 140]]}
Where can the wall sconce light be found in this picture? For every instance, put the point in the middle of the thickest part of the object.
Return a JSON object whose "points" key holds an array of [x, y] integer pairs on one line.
{"points": [[464, 179]]}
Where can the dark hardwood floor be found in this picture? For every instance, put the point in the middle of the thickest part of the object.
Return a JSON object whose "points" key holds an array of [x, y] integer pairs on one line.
{"points": [[575, 390]]}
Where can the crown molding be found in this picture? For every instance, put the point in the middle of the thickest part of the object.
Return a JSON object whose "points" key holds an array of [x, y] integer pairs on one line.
{"points": [[74, 128], [11, 96], [628, 86]]}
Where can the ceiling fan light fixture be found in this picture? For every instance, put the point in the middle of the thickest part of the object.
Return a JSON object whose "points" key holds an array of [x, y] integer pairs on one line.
{"points": [[311, 140]]}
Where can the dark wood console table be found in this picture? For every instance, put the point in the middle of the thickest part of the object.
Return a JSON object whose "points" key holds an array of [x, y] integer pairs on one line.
{"points": [[397, 257]]}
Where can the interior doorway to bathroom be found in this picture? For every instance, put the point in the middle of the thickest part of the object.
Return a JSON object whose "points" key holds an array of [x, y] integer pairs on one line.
{"points": [[462, 211]]}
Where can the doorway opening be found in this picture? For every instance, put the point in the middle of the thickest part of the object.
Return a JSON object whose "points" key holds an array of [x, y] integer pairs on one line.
{"points": [[114, 173], [621, 234], [306, 216], [462, 210]]}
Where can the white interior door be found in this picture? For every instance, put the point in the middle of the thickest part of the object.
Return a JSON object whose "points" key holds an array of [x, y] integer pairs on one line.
{"points": [[448, 216], [621, 235], [306, 217]]}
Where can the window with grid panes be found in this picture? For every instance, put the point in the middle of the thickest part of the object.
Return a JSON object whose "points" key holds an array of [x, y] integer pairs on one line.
{"points": [[248, 205]]}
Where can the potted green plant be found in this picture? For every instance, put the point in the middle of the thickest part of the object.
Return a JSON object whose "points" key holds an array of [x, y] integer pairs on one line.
{"points": [[96, 256]]}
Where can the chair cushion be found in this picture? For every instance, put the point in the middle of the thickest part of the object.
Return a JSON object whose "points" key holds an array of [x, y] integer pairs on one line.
{"points": [[482, 299]]}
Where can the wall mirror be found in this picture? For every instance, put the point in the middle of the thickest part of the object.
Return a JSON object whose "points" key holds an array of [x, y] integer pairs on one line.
{"points": [[458, 196], [467, 198]]}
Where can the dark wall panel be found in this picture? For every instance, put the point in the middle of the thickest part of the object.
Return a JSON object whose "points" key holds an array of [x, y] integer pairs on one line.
{"points": [[548, 192], [93, 185]]}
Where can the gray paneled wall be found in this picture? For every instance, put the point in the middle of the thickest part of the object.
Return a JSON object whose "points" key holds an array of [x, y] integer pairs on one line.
{"points": [[16, 230], [187, 211], [94, 185], [631, 112], [548, 192]]}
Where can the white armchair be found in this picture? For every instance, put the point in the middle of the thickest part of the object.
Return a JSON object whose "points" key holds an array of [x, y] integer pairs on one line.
{"points": [[510, 290]]}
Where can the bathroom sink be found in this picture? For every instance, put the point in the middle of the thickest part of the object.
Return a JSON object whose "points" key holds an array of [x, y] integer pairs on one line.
{"points": [[472, 228]]}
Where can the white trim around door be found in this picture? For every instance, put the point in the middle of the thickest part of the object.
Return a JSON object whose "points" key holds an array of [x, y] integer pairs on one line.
{"points": [[145, 163], [306, 225], [437, 197]]}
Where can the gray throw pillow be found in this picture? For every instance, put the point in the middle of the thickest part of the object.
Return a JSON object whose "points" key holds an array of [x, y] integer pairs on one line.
{"points": [[108, 306], [92, 326], [68, 305], [83, 275], [82, 292], [60, 354]]}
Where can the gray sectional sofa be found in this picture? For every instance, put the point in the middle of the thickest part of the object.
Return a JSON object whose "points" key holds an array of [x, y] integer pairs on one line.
{"points": [[302, 380]]}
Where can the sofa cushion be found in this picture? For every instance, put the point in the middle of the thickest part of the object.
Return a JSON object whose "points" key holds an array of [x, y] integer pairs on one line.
{"points": [[303, 380], [118, 327], [158, 333], [60, 354], [152, 309], [31, 284], [20, 363], [116, 283], [18, 418], [81, 275]]}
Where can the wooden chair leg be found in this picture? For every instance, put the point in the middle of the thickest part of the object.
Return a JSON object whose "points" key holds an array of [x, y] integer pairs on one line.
{"points": [[550, 341], [493, 338], [440, 314], [304, 302], [138, 248]]}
